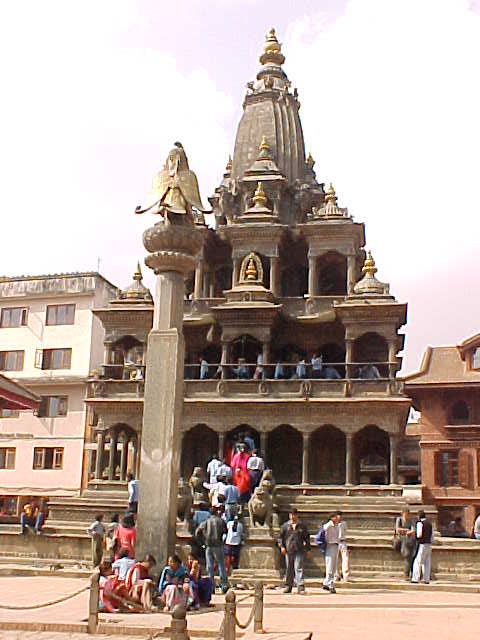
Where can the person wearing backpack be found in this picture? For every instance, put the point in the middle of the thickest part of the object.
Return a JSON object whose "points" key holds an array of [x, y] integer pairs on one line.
{"points": [[211, 533], [328, 539], [294, 542]]}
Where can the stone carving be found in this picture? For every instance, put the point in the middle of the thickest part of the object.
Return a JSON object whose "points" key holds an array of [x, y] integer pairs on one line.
{"points": [[184, 500], [196, 485], [175, 191], [260, 507], [306, 388], [251, 270], [268, 481]]}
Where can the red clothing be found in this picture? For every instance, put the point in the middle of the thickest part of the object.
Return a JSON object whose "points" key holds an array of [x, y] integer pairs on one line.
{"points": [[241, 479], [136, 573], [240, 460], [126, 541]]}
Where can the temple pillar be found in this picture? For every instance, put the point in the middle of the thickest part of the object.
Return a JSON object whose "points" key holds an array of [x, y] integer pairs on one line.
{"points": [[351, 273], [263, 445], [225, 358], [393, 458], [392, 358], [123, 456], [348, 357], [99, 461], [236, 271], [275, 275], [221, 445], [305, 458], [266, 358], [112, 456], [199, 277], [107, 352], [348, 459], [313, 275], [172, 256]]}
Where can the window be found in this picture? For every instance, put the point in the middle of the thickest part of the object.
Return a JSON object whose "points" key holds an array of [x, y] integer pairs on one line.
{"points": [[60, 314], [7, 458], [9, 413], [8, 505], [52, 406], [48, 458], [53, 358], [446, 468], [11, 360], [476, 358], [14, 317], [460, 413]]}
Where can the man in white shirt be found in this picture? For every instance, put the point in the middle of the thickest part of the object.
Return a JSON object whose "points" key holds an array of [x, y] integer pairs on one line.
{"points": [[255, 468], [331, 553], [212, 468], [476, 528], [342, 549], [423, 557]]}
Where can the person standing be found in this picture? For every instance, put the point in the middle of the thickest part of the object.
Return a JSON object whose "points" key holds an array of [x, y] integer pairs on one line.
{"points": [[255, 468], [213, 468], [233, 541], [126, 537], [211, 532], [204, 371], [232, 498], [96, 531], [423, 557], [405, 529], [132, 485], [343, 549], [332, 538], [294, 542]]}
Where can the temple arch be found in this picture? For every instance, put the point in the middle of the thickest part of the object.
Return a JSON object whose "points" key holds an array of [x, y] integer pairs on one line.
{"points": [[332, 274], [372, 348], [371, 455], [285, 447], [198, 446], [327, 456]]}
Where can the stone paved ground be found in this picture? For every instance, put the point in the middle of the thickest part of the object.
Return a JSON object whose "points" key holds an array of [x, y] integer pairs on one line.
{"points": [[352, 615]]}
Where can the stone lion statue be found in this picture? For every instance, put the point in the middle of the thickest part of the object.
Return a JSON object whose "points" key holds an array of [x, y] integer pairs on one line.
{"points": [[268, 482], [184, 500], [196, 481], [260, 508]]}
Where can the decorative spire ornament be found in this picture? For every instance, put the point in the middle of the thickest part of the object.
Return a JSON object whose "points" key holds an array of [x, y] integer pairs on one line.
{"points": [[259, 197], [251, 270], [272, 50], [369, 285], [264, 150]]}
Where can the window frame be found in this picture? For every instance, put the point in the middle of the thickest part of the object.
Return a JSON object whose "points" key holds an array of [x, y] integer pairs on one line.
{"points": [[9, 455], [8, 310], [10, 413], [475, 366], [43, 454], [55, 309], [447, 467], [44, 358], [45, 408], [4, 355]]}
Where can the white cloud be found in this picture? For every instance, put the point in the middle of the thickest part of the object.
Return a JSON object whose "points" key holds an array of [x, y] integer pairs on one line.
{"points": [[390, 107]]}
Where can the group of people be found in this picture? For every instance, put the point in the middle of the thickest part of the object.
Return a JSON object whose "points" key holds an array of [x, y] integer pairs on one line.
{"points": [[413, 539]]}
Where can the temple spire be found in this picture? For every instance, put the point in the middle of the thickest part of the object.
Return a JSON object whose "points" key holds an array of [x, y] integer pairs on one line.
{"points": [[264, 150], [259, 197], [272, 50]]}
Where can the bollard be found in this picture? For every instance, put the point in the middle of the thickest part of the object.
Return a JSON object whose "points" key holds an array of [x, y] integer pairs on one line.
{"points": [[229, 624], [178, 625], [92, 623], [258, 608]]}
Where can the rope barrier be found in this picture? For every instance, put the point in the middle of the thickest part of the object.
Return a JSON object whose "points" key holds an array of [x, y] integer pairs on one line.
{"points": [[250, 618], [44, 604]]}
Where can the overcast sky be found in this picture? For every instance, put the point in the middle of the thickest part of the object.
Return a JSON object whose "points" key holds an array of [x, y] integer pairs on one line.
{"points": [[94, 92]]}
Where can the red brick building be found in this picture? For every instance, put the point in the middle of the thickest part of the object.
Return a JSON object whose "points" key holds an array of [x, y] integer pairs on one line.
{"points": [[446, 390]]}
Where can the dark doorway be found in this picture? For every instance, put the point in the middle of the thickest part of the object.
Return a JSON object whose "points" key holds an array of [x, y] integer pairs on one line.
{"points": [[285, 451], [199, 444], [327, 456], [372, 456]]}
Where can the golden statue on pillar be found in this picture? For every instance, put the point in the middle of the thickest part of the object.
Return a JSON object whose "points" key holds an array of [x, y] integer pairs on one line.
{"points": [[175, 191]]}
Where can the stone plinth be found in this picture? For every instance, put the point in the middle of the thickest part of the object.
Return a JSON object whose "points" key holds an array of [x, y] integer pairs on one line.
{"points": [[173, 250]]}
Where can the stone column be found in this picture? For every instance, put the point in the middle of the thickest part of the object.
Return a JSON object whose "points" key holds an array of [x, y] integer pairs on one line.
{"points": [[351, 273], [305, 458], [263, 445], [173, 250], [221, 445], [236, 271], [266, 358], [275, 275], [393, 458], [392, 358], [123, 456], [107, 352], [348, 459], [348, 357], [99, 461], [225, 358], [199, 277], [112, 456], [313, 275]]}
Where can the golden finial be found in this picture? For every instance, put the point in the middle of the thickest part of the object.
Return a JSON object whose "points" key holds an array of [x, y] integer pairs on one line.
{"points": [[138, 273], [369, 267], [259, 197], [264, 150], [228, 168], [331, 197], [272, 50], [251, 270], [310, 161]]}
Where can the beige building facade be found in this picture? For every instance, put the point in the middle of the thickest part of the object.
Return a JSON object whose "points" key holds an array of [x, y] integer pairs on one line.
{"points": [[49, 341]]}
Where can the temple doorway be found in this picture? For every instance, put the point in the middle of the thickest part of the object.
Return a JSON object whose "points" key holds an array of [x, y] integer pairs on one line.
{"points": [[327, 456], [285, 450], [199, 444], [237, 435], [371, 447]]}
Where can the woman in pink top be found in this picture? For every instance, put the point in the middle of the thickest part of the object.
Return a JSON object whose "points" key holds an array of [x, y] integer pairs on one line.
{"points": [[240, 459], [126, 537]]}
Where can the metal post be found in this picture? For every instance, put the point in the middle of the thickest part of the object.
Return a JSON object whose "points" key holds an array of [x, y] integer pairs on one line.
{"points": [[229, 625], [178, 625], [258, 605], [92, 623]]}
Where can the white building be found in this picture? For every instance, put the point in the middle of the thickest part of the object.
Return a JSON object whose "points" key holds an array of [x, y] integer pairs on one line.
{"points": [[49, 341]]}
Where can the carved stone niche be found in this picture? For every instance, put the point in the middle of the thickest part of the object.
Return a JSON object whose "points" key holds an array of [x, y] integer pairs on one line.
{"points": [[251, 270]]}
